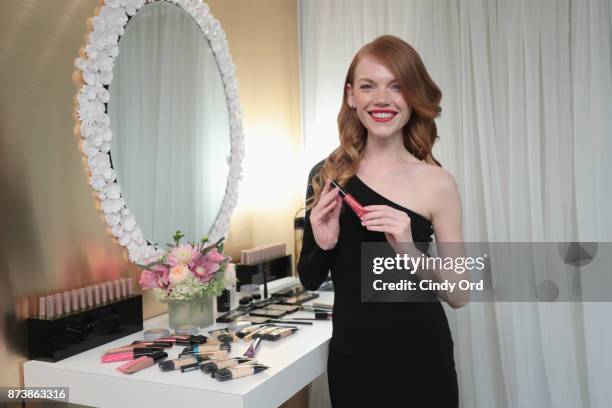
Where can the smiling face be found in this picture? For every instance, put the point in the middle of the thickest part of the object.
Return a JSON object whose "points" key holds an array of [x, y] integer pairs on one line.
{"points": [[376, 96]]}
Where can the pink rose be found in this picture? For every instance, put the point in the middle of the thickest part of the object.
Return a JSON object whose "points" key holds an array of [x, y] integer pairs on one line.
{"points": [[179, 273], [154, 277], [149, 280]]}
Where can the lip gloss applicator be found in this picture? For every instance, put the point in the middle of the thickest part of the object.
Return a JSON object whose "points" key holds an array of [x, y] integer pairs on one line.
{"points": [[350, 200]]}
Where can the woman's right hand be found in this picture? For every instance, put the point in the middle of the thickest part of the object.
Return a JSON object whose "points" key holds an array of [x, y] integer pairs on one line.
{"points": [[324, 217]]}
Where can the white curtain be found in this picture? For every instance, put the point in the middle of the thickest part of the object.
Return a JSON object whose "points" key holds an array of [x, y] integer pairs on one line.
{"points": [[170, 124], [526, 129]]}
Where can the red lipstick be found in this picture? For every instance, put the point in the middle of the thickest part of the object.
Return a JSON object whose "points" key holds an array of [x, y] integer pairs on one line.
{"points": [[350, 200], [388, 115]]}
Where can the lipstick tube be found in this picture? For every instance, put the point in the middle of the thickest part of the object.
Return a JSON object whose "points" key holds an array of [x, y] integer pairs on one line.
{"points": [[350, 200], [130, 355]]}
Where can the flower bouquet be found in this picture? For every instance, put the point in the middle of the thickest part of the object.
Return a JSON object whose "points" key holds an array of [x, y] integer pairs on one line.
{"points": [[187, 277]]}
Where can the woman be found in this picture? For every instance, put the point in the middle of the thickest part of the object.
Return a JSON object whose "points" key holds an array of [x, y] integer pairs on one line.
{"points": [[399, 354]]}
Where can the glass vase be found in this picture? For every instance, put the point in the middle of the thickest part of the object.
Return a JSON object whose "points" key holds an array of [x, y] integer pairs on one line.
{"points": [[197, 312]]}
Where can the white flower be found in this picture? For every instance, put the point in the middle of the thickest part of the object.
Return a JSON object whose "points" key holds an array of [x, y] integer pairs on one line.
{"points": [[128, 222], [117, 231], [112, 191], [97, 182], [112, 219]]}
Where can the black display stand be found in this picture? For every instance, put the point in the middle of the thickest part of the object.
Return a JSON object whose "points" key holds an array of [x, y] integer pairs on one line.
{"points": [[62, 337], [264, 272]]}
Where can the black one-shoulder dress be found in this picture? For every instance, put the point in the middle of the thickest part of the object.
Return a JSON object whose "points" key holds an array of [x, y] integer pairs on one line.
{"points": [[389, 354]]}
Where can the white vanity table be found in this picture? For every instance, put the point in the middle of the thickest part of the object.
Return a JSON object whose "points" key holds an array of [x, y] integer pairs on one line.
{"points": [[294, 362]]}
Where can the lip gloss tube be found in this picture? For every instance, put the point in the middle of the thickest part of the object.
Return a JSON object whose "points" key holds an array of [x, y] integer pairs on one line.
{"points": [[124, 291], [90, 296], [74, 297], [50, 306], [350, 200], [42, 309], [57, 299], [96, 292], [117, 287], [82, 302], [130, 286], [111, 292], [103, 293], [66, 302]]}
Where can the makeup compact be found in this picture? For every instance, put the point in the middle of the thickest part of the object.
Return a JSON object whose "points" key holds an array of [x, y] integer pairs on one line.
{"points": [[272, 313], [154, 334]]}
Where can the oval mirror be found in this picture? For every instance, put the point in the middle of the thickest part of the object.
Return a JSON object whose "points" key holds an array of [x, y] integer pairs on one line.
{"points": [[170, 124], [165, 152]]}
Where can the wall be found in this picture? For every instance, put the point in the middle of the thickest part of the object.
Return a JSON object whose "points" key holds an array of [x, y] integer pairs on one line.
{"points": [[51, 234]]}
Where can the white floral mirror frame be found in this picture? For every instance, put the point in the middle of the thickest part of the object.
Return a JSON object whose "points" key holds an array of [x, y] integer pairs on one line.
{"points": [[93, 75]]}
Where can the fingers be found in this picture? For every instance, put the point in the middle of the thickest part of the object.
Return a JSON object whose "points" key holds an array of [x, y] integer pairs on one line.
{"points": [[322, 212], [327, 195]]}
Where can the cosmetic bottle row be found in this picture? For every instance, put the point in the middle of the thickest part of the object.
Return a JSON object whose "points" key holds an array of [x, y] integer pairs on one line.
{"points": [[76, 300]]}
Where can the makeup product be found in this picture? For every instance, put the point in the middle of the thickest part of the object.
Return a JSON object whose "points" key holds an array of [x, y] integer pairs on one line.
{"points": [[291, 322], [130, 355], [223, 335], [74, 300], [318, 316], [50, 307], [253, 348], [350, 200], [82, 299], [130, 286], [141, 363], [242, 333], [110, 291], [322, 305], [42, 307], [280, 333], [97, 295], [203, 348], [261, 333], [154, 334], [230, 316], [210, 367], [57, 299], [124, 288], [198, 339], [186, 329], [245, 302], [135, 346], [314, 310], [176, 364], [268, 313], [254, 319], [286, 308], [66, 302], [209, 355], [203, 361], [299, 299], [117, 287], [103, 293], [242, 370], [236, 326]]}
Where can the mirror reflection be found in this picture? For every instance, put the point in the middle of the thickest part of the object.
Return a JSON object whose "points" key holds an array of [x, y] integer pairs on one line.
{"points": [[171, 133]]}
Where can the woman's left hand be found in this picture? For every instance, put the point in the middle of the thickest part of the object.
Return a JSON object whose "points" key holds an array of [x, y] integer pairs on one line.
{"points": [[394, 223]]}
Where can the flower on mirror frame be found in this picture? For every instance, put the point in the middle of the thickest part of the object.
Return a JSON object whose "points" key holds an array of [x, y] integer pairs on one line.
{"points": [[181, 255], [179, 273]]}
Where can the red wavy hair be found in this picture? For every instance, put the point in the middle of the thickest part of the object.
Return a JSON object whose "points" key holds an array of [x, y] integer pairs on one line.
{"points": [[420, 93]]}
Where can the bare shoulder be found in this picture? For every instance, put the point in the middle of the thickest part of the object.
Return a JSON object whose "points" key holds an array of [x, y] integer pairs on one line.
{"points": [[439, 181]]}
